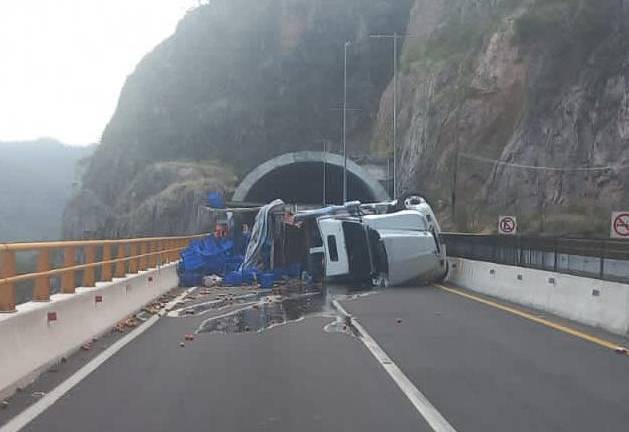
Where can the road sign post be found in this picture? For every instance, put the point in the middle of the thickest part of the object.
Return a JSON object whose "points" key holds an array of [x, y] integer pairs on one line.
{"points": [[620, 225], [507, 225]]}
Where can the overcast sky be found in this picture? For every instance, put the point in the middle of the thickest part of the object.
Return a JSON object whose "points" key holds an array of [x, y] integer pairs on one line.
{"points": [[63, 62]]}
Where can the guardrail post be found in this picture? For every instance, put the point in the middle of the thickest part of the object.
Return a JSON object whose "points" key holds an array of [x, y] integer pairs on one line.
{"points": [[181, 245], [144, 262], [42, 283], [175, 252], [178, 250], [601, 269], [160, 256], [88, 274], [121, 265], [556, 258], [106, 268], [67, 280], [170, 245], [133, 252], [519, 252], [152, 257], [167, 253], [7, 290]]}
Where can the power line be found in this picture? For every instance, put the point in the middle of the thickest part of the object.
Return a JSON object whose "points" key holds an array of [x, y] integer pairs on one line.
{"points": [[542, 168]]}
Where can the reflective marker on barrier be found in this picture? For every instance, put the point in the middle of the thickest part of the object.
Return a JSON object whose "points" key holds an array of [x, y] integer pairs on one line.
{"points": [[52, 316], [98, 299]]}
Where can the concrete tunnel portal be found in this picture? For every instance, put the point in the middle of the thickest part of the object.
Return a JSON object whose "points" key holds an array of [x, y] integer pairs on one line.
{"points": [[298, 178]]}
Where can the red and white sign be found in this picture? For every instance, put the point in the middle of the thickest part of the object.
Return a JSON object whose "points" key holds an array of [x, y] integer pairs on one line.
{"points": [[507, 225], [620, 225]]}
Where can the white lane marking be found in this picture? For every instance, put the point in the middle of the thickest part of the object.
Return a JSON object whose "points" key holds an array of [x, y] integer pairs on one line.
{"points": [[29, 414], [427, 410]]}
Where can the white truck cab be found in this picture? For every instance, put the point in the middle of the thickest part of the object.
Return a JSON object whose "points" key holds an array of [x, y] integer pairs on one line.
{"points": [[391, 248]]}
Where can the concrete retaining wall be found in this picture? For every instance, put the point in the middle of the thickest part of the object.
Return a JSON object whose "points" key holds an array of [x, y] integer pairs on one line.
{"points": [[29, 343], [589, 301]]}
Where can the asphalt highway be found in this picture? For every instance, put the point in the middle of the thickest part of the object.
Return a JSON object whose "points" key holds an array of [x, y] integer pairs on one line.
{"points": [[294, 377], [488, 370], [482, 368]]}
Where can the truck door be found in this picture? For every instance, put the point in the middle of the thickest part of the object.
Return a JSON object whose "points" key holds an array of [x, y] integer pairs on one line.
{"points": [[336, 262]]}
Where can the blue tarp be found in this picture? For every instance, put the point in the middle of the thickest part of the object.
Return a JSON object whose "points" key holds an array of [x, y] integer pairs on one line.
{"points": [[205, 257], [216, 200], [224, 256]]}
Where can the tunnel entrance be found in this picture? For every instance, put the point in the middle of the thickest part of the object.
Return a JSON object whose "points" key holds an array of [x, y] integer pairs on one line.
{"points": [[302, 183], [298, 178]]}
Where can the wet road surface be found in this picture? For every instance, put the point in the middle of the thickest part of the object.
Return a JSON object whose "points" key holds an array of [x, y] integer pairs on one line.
{"points": [[273, 367]]}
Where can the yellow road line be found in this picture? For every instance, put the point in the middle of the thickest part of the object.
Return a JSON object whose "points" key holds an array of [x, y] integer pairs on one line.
{"points": [[568, 330]]}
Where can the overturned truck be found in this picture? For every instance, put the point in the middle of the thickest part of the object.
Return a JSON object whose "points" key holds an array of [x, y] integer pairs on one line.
{"points": [[386, 243]]}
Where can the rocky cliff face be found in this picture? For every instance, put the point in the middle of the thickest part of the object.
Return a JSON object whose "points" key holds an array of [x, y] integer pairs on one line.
{"points": [[164, 198], [240, 82], [492, 90], [505, 107]]}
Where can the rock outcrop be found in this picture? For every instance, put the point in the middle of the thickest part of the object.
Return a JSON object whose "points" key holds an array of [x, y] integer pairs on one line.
{"points": [[505, 107], [511, 107], [164, 198], [240, 82]]}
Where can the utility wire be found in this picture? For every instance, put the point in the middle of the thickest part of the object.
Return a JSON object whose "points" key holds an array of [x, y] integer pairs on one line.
{"points": [[541, 168]]}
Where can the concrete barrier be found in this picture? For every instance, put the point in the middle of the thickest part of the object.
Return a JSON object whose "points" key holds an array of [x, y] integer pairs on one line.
{"points": [[588, 301], [40, 334]]}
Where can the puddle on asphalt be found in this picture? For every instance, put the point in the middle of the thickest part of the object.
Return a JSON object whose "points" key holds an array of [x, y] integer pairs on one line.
{"points": [[270, 312], [258, 311], [227, 300]]}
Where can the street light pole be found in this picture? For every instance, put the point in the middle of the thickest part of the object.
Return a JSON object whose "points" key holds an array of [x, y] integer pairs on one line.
{"points": [[325, 170], [395, 36], [347, 44], [394, 116]]}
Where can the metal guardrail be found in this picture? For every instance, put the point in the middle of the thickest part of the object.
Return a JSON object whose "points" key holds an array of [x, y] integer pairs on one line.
{"points": [[596, 258], [96, 261]]}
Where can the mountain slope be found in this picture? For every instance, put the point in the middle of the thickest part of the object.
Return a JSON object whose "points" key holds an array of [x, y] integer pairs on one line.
{"points": [[37, 180], [505, 107], [524, 83], [239, 82]]}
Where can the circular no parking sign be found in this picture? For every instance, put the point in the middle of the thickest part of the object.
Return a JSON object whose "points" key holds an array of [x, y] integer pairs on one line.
{"points": [[507, 225], [620, 225]]}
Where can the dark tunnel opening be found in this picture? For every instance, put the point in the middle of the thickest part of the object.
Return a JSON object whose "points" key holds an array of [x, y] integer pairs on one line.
{"points": [[302, 183]]}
